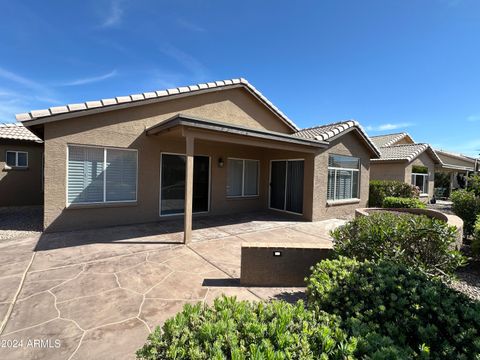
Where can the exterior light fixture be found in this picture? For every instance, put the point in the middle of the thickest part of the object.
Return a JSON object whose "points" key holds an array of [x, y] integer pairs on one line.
{"points": [[220, 162]]}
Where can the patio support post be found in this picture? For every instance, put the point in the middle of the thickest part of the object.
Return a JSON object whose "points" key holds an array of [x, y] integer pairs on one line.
{"points": [[187, 231]]}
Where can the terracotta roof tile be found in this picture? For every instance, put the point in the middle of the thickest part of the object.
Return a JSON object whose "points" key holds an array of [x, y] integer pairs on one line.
{"points": [[71, 108], [16, 131]]}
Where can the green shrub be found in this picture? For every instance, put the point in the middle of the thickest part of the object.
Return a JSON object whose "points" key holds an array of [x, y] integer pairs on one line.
{"points": [[396, 312], [415, 240], [473, 184], [467, 206], [233, 329], [380, 189], [476, 237], [398, 202]]}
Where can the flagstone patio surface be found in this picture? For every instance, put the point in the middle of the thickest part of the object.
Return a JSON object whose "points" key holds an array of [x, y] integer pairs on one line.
{"points": [[97, 294]]}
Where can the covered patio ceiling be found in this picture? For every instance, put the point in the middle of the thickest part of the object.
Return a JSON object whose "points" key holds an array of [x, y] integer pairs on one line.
{"points": [[192, 128]]}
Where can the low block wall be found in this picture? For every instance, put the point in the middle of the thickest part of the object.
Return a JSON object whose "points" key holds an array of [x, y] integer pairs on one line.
{"points": [[267, 264], [451, 220]]}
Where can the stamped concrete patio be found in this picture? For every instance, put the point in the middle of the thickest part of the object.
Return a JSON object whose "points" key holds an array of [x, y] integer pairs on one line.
{"points": [[98, 293]]}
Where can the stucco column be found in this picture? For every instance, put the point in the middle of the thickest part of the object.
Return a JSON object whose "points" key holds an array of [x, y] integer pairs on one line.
{"points": [[187, 231]]}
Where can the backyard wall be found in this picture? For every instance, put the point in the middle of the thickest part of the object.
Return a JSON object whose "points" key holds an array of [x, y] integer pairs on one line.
{"points": [[20, 187]]}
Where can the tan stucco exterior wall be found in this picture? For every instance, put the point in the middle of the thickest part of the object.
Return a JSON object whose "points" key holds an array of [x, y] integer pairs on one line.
{"points": [[126, 129], [350, 145], [20, 187], [402, 171], [388, 171]]}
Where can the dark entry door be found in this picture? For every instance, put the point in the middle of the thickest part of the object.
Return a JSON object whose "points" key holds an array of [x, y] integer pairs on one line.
{"points": [[286, 185], [172, 189]]}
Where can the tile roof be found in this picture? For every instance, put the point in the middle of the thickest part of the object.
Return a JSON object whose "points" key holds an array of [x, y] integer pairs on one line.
{"points": [[329, 131], [388, 139], [406, 152], [135, 98], [16, 131], [456, 155]]}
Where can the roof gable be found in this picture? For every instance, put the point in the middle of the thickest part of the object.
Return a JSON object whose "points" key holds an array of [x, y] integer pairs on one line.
{"points": [[406, 152], [391, 139], [57, 113], [332, 131]]}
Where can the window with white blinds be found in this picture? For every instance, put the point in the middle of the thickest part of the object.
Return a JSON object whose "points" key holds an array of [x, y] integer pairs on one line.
{"points": [[242, 177], [100, 175], [343, 177]]}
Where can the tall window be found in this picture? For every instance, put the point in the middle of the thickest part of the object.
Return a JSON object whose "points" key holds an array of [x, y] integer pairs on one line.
{"points": [[17, 159], [242, 177], [101, 175], [420, 180], [343, 175]]}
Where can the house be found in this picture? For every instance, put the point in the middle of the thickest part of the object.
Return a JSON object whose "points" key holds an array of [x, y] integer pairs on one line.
{"points": [[455, 168], [206, 149], [21, 161], [404, 160]]}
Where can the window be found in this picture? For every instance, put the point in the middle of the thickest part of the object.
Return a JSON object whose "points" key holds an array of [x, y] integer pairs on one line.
{"points": [[420, 180], [17, 159], [242, 177], [343, 177], [100, 175]]}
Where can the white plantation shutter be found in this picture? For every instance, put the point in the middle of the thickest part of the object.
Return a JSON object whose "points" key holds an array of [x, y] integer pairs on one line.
{"points": [[235, 177], [121, 174], [251, 178], [85, 174], [331, 185], [91, 180], [344, 184], [343, 177]]}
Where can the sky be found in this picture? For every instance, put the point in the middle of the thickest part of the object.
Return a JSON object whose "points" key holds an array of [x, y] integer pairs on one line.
{"points": [[394, 66]]}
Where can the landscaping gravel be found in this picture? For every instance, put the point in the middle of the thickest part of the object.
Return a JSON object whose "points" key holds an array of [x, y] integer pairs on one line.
{"points": [[20, 221], [468, 283]]}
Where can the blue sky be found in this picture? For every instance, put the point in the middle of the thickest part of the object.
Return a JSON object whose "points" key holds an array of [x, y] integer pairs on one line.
{"points": [[405, 65]]}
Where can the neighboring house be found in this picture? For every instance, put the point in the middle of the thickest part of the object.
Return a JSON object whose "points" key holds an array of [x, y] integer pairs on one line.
{"points": [[404, 160], [458, 167], [21, 160], [208, 149]]}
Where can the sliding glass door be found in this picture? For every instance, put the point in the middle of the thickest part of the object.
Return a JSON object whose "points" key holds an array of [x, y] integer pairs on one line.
{"points": [[172, 184], [286, 185]]}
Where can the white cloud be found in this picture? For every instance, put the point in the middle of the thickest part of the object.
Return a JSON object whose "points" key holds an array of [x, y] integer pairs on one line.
{"points": [[190, 26], [387, 126], [20, 94], [473, 118], [20, 80], [92, 79], [198, 72], [114, 16]]}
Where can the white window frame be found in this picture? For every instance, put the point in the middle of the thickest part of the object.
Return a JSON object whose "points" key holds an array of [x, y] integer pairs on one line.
{"points": [[425, 182], [16, 166], [243, 179], [336, 169], [105, 148]]}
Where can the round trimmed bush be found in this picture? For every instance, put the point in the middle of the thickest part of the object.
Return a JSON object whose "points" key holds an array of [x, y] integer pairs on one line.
{"points": [[395, 311], [232, 329], [415, 240]]}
